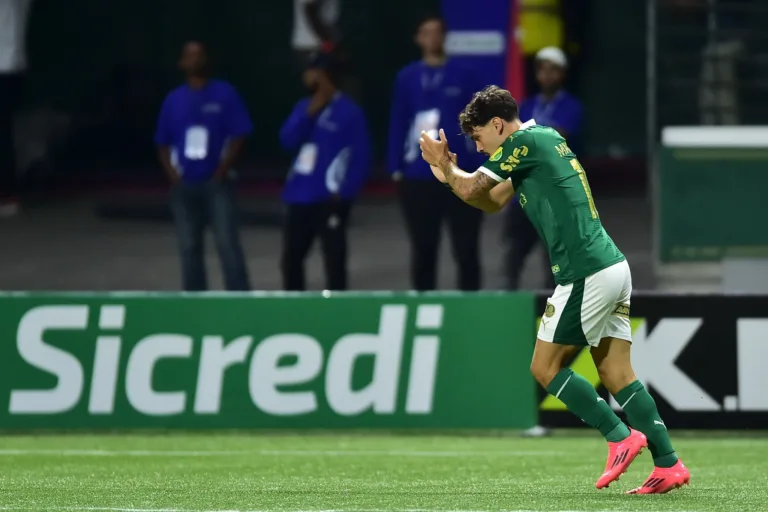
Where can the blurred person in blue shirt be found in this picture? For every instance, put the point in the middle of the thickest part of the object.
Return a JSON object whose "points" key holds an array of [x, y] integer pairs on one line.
{"points": [[430, 93], [200, 134], [328, 132], [555, 107]]}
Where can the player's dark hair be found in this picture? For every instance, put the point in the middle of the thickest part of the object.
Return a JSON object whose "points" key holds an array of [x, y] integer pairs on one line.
{"points": [[432, 17], [493, 101]]}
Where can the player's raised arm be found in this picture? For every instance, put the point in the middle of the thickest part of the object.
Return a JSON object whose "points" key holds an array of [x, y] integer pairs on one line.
{"points": [[493, 202], [470, 187]]}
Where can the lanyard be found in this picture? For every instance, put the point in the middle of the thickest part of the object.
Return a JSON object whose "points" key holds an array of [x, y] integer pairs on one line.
{"points": [[328, 109], [431, 83], [544, 115]]}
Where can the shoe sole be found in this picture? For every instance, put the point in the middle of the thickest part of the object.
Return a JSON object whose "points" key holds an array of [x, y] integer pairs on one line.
{"points": [[626, 468], [687, 481]]}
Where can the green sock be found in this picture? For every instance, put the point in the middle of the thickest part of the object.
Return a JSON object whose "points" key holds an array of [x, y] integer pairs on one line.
{"points": [[642, 414], [582, 400]]}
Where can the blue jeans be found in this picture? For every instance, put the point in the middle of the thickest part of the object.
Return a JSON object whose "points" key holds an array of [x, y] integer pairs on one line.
{"points": [[195, 205]]}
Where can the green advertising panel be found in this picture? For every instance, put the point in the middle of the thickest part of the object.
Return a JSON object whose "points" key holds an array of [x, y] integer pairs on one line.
{"points": [[266, 361], [711, 203]]}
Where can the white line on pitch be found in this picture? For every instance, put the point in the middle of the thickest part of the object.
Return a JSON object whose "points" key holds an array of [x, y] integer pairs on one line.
{"points": [[122, 509], [277, 453]]}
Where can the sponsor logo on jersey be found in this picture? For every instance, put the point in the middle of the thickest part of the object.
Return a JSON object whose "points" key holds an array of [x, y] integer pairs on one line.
{"points": [[496, 156], [520, 152], [549, 310], [513, 160]]}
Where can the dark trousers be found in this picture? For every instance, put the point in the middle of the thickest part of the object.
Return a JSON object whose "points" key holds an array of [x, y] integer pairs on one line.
{"points": [[10, 98], [303, 224], [194, 206], [426, 204], [521, 238]]}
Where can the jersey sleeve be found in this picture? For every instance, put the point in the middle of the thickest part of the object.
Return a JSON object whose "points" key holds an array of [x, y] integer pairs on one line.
{"points": [[514, 156]]}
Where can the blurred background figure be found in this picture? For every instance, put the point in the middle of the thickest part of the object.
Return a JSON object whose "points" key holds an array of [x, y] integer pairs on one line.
{"points": [[553, 106], [13, 63], [541, 25], [200, 135], [87, 165], [722, 76], [314, 27], [328, 131], [430, 94], [553, 23]]}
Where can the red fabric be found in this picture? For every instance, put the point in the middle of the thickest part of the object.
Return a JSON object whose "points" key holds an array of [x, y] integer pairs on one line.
{"points": [[515, 78]]}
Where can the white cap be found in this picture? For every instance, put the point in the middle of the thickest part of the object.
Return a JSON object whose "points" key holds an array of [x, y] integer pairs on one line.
{"points": [[554, 55]]}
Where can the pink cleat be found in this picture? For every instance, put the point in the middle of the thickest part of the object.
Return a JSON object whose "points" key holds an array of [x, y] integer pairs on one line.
{"points": [[663, 480], [620, 456]]}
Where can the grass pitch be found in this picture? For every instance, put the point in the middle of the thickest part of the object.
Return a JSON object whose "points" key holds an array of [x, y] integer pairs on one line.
{"points": [[215, 472]]}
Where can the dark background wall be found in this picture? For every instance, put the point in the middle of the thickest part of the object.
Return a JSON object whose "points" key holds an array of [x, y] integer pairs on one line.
{"points": [[109, 65]]}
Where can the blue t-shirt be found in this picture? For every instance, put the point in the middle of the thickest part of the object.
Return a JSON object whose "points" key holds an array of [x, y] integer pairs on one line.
{"points": [[197, 124], [562, 112], [333, 151], [429, 98]]}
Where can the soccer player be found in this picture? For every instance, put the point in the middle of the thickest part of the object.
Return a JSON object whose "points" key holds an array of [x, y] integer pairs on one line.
{"points": [[590, 305]]}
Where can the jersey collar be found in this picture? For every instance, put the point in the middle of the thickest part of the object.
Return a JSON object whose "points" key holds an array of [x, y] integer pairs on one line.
{"points": [[528, 124]]}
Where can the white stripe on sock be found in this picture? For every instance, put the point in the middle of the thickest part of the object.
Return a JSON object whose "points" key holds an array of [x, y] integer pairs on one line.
{"points": [[628, 399], [563, 386]]}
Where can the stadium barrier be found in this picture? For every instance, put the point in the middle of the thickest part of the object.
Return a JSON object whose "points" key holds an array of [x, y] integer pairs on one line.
{"points": [[702, 357], [373, 360], [367, 360]]}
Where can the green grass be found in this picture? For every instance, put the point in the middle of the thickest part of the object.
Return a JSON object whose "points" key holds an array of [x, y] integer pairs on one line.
{"points": [[210, 472]]}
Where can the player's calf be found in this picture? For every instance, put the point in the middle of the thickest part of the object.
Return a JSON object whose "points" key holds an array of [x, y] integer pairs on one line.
{"points": [[576, 392], [643, 415], [612, 360]]}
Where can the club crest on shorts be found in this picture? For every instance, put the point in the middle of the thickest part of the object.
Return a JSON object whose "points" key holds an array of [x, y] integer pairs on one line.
{"points": [[549, 311], [496, 156]]}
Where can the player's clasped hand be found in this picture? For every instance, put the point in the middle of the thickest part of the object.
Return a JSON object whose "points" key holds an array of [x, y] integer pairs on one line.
{"points": [[434, 151], [438, 172]]}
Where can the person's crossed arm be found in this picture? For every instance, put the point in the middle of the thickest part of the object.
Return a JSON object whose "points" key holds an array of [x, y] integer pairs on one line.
{"points": [[476, 189]]}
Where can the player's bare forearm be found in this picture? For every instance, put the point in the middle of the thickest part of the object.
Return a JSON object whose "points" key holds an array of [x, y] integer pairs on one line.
{"points": [[495, 200], [501, 194], [485, 204], [469, 187]]}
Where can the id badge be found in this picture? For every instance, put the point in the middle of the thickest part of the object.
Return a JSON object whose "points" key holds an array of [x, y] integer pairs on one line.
{"points": [[428, 121], [196, 143], [305, 163]]}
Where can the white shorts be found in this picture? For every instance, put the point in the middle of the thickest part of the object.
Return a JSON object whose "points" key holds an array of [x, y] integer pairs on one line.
{"points": [[587, 310]]}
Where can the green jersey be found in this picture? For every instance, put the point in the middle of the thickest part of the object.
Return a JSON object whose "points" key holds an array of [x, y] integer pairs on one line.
{"points": [[554, 193]]}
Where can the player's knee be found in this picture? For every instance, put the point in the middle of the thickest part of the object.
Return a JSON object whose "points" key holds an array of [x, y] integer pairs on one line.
{"points": [[544, 371], [615, 376], [549, 359]]}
